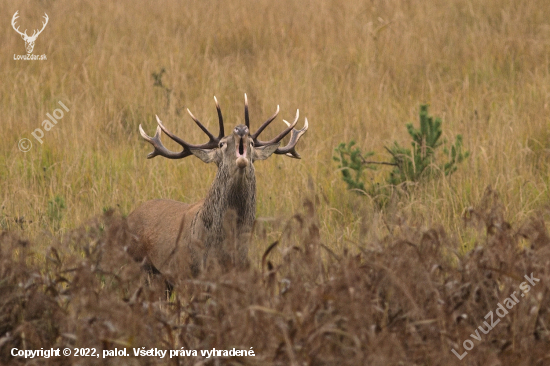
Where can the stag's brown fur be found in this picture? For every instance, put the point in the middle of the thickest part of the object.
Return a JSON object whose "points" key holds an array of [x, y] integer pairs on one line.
{"points": [[156, 246]]}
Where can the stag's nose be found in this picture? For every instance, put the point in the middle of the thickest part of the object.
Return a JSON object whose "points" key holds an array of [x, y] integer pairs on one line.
{"points": [[241, 130]]}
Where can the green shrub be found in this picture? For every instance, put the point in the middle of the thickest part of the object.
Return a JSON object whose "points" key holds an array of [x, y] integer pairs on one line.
{"points": [[55, 211], [409, 164]]}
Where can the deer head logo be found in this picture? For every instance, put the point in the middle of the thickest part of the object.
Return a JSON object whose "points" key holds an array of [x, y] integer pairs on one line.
{"points": [[29, 40]]}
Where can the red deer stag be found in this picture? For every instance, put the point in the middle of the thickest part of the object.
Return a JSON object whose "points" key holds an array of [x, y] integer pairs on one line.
{"points": [[161, 225]]}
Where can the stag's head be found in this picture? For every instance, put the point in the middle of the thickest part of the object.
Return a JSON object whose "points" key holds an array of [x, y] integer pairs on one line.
{"points": [[29, 40], [235, 152]]}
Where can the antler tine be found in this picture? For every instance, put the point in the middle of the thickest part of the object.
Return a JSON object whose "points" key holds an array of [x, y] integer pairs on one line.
{"points": [[213, 143], [289, 149], [280, 136], [246, 116], [220, 119], [265, 124], [159, 147], [204, 129], [213, 140]]}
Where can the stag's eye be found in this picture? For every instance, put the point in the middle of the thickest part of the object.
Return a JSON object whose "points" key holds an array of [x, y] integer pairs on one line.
{"points": [[221, 145]]}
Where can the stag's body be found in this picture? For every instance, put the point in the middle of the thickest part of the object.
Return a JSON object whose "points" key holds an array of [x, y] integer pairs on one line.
{"points": [[158, 223], [173, 235]]}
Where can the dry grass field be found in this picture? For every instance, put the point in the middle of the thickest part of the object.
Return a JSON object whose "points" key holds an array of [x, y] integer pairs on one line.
{"points": [[347, 283]]}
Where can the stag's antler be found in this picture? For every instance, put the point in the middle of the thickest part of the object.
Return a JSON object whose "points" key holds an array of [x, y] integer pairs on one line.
{"points": [[289, 149], [161, 150]]}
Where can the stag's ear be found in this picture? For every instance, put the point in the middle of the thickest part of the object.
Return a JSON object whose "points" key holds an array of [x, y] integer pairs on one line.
{"points": [[206, 155], [264, 152]]}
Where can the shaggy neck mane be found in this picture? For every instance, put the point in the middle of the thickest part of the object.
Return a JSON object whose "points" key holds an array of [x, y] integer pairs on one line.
{"points": [[229, 192]]}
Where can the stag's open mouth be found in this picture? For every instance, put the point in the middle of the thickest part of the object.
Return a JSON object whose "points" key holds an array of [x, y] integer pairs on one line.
{"points": [[241, 151]]}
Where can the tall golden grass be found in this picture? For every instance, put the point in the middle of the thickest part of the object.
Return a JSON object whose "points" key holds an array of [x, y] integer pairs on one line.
{"points": [[345, 283], [357, 70]]}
